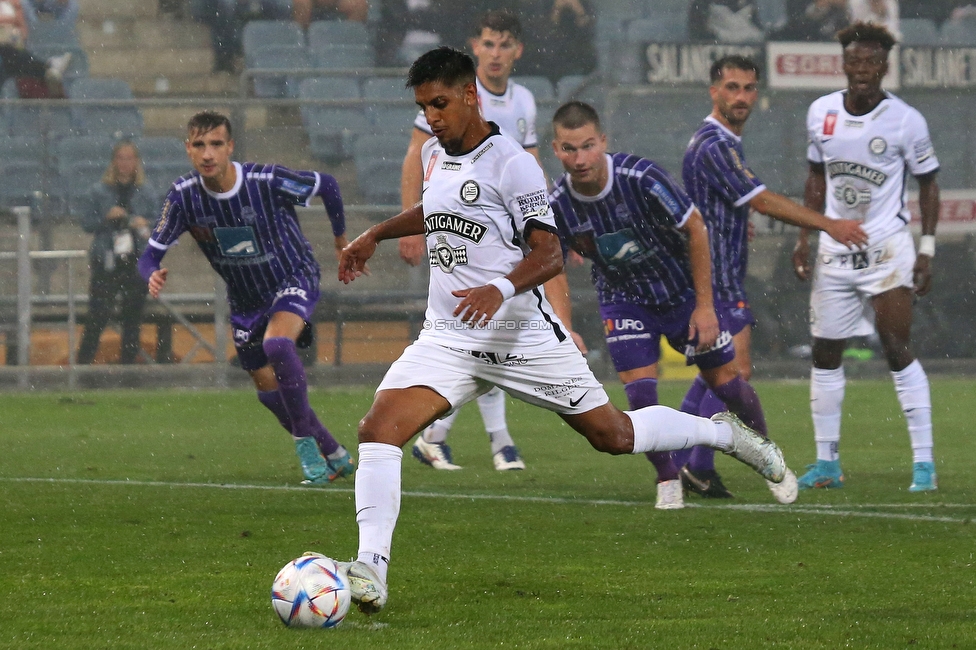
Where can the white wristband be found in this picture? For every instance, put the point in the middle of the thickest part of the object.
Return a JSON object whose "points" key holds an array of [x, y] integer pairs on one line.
{"points": [[926, 245], [504, 285]]}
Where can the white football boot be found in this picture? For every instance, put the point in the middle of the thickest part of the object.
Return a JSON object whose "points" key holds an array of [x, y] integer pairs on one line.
{"points": [[761, 454]]}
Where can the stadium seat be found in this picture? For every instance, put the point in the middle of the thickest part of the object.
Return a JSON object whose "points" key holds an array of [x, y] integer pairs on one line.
{"points": [[323, 33], [21, 181], [334, 57], [114, 121], [332, 130], [50, 122], [379, 160], [919, 31], [277, 57], [388, 117], [163, 174], [662, 28], [540, 87], [22, 148], [77, 149], [164, 159], [77, 67], [619, 9], [262, 33], [567, 86], [48, 33], [772, 14], [958, 33]]}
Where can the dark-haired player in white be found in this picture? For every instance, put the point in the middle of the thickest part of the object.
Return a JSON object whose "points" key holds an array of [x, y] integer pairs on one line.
{"points": [[863, 140], [493, 239]]}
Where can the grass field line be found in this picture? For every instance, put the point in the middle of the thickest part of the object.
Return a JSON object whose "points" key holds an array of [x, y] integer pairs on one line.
{"points": [[812, 509]]}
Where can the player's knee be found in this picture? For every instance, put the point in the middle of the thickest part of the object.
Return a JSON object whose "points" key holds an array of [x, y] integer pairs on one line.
{"points": [[278, 349]]}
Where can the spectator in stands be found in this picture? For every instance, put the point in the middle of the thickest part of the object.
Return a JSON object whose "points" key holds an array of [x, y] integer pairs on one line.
{"points": [[879, 12], [813, 20], [64, 12], [724, 21], [13, 22], [36, 78], [115, 211], [305, 12], [226, 20], [562, 38], [938, 11]]}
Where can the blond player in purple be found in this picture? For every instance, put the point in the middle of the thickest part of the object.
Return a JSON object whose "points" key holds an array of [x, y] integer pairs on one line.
{"points": [[242, 217]]}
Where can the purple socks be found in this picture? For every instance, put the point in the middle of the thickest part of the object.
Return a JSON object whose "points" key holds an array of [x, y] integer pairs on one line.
{"points": [[290, 402], [641, 393], [741, 398]]}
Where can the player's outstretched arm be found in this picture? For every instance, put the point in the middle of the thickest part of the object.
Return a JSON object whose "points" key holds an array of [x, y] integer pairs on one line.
{"points": [[777, 206], [814, 198], [703, 322], [928, 201], [544, 262], [353, 258]]}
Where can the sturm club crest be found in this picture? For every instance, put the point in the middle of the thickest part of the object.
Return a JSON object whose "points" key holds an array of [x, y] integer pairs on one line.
{"points": [[878, 146], [446, 256], [470, 191]]}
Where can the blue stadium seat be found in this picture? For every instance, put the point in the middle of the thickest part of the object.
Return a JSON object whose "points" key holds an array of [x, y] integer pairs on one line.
{"points": [[663, 28], [333, 57], [958, 33], [919, 31], [262, 33], [383, 115], [114, 121], [21, 180], [540, 87], [79, 149], [47, 33], [277, 57], [51, 122], [162, 149], [322, 33], [567, 86], [332, 130], [163, 174], [379, 160], [772, 14], [22, 148]]}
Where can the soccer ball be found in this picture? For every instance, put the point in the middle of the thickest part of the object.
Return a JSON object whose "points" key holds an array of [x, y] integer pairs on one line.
{"points": [[311, 591]]}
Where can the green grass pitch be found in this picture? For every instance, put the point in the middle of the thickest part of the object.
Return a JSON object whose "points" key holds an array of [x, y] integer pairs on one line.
{"points": [[158, 520]]}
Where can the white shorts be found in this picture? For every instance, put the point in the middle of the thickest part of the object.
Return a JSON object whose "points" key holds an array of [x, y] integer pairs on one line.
{"points": [[843, 285], [557, 379]]}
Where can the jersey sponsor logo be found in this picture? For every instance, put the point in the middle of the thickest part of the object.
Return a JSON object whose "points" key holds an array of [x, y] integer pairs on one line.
{"points": [[456, 225], [446, 256], [292, 291], [451, 166], [620, 248], [237, 241], [521, 126], [430, 166], [533, 204], [612, 325], [666, 199], [852, 196], [248, 214], [163, 217], [854, 124], [295, 188], [242, 336], [923, 150], [830, 123], [877, 146], [857, 170], [482, 152], [498, 359], [470, 191]]}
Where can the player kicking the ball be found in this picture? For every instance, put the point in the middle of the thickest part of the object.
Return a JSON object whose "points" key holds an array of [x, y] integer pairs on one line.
{"points": [[862, 142], [488, 323]]}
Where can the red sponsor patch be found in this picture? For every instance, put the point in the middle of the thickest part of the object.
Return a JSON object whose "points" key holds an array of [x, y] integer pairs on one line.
{"points": [[830, 121], [430, 167]]}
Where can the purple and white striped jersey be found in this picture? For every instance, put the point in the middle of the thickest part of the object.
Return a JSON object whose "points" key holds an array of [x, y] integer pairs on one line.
{"points": [[720, 183], [250, 234], [630, 232]]}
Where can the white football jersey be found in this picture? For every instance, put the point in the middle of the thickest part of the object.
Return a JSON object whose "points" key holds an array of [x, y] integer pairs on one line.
{"points": [[477, 206], [865, 158], [514, 113]]}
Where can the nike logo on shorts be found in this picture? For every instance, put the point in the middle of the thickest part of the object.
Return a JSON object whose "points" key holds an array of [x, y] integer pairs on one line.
{"points": [[576, 402]]}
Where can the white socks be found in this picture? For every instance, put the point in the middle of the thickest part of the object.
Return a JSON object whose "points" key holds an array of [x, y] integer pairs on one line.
{"points": [[492, 405], [912, 387], [826, 401], [377, 503], [659, 428]]}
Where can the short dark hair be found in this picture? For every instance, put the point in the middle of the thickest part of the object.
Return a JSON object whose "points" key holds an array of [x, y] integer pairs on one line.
{"points": [[207, 121], [735, 62], [861, 32], [499, 20], [576, 115], [445, 65]]}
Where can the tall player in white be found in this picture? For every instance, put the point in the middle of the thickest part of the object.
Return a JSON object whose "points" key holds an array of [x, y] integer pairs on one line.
{"points": [[497, 45], [491, 234], [862, 140]]}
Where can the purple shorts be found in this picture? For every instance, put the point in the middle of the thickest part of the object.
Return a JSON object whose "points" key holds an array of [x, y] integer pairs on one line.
{"points": [[298, 297], [634, 332]]}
